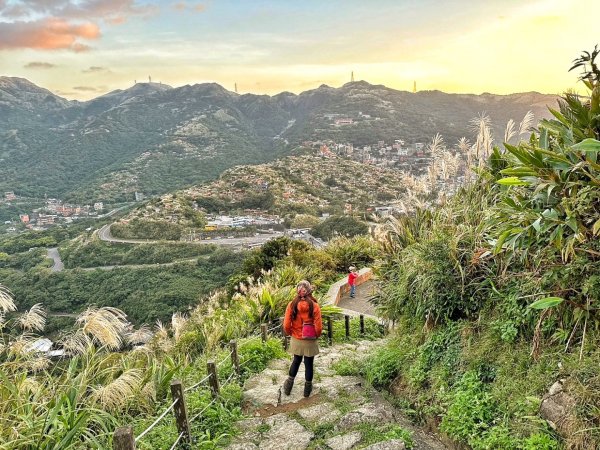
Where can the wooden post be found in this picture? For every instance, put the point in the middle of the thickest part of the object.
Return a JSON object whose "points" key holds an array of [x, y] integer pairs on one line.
{"points": [[263, 331], [213, 379], [180, 411], [347, 323], [362, 324], [123, 439], [330, 330], [235, 359]]}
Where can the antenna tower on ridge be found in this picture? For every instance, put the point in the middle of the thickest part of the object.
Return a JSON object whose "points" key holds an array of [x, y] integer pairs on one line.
{"points": [[414, 86], [149, 79], [352, 77], [236, 91]]}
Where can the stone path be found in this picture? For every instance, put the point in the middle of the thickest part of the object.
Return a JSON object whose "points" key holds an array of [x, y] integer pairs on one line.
{"points": [[342, 413], [360, 303]]}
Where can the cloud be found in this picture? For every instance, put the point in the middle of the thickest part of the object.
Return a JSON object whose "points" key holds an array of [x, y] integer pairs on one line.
{"points": [[95, 69], [39, 65], [183, 6], [47, 34], [60, 24], [86, 89]]}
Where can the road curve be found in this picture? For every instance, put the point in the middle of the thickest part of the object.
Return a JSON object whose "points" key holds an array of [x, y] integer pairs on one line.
{"points": [[58, 265], [104, 235]]}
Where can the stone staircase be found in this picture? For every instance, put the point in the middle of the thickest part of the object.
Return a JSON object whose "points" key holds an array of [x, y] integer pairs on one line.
{"points": [[342, 413]]}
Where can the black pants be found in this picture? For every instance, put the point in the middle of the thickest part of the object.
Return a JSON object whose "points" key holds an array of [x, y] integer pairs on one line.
{"points": [[308, 366]]}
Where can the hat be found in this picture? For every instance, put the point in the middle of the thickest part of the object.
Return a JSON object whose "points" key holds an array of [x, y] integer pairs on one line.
{"points": [[306, 285]]}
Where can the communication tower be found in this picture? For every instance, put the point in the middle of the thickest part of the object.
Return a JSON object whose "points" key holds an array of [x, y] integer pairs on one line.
{"points": [[414, 86], [352, 76]]}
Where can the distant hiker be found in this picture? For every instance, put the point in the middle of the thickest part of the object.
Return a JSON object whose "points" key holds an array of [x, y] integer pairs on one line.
{"points": [[302, 322], [352, 276]]}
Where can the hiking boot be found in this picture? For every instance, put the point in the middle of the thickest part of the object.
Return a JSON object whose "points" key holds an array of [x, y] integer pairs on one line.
{"points": [[307, 388], [288, 384]]}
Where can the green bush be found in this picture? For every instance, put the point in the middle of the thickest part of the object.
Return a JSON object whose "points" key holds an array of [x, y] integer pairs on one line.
{"points": [[359, 251], [333, 226]]}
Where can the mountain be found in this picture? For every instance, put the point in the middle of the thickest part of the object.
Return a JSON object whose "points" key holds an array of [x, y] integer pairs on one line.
{"points": [[155, 138]]}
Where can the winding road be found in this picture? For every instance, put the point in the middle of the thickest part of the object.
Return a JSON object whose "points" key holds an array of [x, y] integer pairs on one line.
{"points": [[104, 235]]}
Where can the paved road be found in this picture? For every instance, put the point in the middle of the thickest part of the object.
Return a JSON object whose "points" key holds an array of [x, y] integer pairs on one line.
{"points": [[55, 256], [104, 234], [360, 303]]}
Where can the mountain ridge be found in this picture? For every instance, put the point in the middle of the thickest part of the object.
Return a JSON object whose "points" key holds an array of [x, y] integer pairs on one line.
{"points": [[153, 138]]}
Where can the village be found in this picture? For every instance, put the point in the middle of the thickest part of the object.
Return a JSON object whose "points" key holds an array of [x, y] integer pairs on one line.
{"points": [[53, 212]]}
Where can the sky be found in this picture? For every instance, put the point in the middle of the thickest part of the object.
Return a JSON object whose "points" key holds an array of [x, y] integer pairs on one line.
{"points": [[81, 49]]}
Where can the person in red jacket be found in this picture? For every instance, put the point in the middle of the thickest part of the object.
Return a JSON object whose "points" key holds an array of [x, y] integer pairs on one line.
{"points": [[304, 324], [352, 276]]}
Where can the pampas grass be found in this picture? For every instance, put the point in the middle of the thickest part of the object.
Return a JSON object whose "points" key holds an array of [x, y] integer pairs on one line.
{"points": [[114, 395], [106, 325], [7, 304], [34, 319]]}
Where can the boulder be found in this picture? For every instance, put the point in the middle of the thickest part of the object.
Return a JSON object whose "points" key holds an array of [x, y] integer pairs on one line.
{"points": [[394, 444], [344, 441], [558, 408]]}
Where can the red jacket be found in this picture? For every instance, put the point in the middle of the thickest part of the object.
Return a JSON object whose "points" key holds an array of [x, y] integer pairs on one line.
{"points": [[294, 327], [352, 278]]}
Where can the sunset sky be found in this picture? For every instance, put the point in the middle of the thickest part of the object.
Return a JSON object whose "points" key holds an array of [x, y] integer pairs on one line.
{"points": [[82, 49]]}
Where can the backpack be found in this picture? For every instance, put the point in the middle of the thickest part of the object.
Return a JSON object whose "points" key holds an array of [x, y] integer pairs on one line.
{"points": [[309, 331]]}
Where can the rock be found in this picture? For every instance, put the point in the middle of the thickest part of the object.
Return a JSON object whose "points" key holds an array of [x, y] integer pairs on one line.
{"points": [[244, 446], [285, 434], [248, 430], [394, 444], [322, 413], [344, 441], [558, 408], [332, 386], [370, 413]]}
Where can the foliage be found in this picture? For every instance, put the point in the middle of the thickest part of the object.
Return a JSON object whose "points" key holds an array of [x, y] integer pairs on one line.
{"points": [[359, 251], [147, 229], [96, 253], [339, 226]]}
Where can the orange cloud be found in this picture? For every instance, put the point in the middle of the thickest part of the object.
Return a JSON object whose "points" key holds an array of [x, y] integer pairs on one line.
{"points": [[47, 34]]}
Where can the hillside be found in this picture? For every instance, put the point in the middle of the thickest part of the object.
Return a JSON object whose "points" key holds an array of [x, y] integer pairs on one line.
{"points": [[153, 138], [291, 185]]}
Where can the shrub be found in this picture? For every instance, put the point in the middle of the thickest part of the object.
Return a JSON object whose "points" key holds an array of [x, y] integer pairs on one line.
{"points": [[359, 251], [333, 226]]}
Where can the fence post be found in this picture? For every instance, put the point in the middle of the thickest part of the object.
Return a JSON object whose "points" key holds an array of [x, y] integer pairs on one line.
{"points": [[123, 439], [362, 324], [347, 323], [180, 410], [213, 379], [263, 331], [330, 330], [235, 359]]}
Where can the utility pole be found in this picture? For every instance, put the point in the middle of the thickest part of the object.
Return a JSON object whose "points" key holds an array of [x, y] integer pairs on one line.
{"points": [[414, 86], [352, 76]]}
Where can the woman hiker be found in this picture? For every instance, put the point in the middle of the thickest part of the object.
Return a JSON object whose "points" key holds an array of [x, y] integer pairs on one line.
{"points": [[303, 322]]}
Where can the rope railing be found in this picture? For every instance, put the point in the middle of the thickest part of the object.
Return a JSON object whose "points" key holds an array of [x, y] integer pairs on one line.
{"points": [[165, 412], [203, 410], [177, 441], [203, 380], [123, 437]]}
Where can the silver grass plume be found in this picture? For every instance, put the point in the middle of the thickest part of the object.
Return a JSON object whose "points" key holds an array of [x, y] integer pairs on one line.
{"points": [[114, 395], [106, 325], [526, 123], [34, 319], [7, 303]]}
